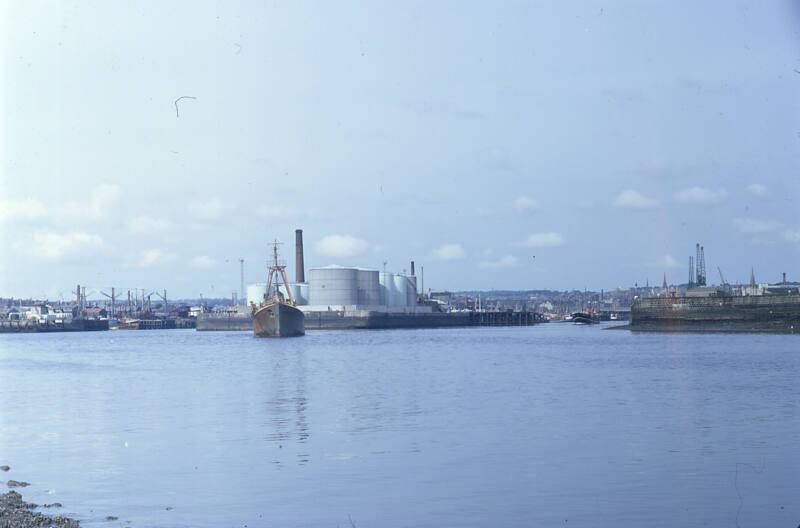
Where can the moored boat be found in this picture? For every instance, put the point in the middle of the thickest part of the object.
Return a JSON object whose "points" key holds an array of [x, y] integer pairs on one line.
{"points": [[584, 318], [278, 315]]}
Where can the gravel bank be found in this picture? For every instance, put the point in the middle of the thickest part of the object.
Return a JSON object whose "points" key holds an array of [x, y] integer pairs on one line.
{"points": [[16, 513]]}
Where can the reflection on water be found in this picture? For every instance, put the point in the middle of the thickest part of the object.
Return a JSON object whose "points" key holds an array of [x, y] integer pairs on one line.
{"points": [[548, 425], [286, 408], [287, 403]]}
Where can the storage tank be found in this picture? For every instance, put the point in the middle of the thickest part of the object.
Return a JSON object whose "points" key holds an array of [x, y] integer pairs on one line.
{"points": [[333, 285], [369, 288], [255, 292], [300, 292], [387, 289], [405, 290], [411, 290]]}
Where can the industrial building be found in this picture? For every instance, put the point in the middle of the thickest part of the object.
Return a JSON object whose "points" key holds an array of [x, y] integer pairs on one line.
{"points": [[349, 289], [346, 289]]}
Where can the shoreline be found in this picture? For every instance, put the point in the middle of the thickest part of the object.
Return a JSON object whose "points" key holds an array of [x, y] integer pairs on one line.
{"points": [[16, 513]]}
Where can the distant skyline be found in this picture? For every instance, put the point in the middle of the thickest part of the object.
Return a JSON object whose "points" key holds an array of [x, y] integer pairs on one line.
{"points": [[603, 140]]}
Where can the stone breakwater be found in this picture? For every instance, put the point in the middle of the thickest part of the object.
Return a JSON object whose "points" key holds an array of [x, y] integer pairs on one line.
{"points": [[16, 513]]}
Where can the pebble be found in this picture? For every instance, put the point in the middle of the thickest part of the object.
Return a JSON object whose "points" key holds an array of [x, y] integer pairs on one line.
{"points": [[18, 513]]}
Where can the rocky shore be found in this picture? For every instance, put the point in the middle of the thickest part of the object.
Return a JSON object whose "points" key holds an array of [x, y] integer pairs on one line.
{"points": [[16, 513]]}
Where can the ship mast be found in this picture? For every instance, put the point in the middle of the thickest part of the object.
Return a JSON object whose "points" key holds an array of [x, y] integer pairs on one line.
{"points": [[278, 272]]}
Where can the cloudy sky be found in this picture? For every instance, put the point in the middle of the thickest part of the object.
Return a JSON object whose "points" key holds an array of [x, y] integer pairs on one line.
{"points": [[603, 138]]}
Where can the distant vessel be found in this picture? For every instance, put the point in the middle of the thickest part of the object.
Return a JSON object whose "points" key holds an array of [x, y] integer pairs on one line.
{"points": [[277, 316], [583, 318], [710, 309]]}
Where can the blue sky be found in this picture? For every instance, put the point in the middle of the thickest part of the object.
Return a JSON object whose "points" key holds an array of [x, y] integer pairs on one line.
{"points": [[603, 138]]}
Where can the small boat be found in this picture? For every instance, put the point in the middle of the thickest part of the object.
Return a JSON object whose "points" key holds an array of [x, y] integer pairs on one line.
{"points": [[277, 316], [584, 318]]}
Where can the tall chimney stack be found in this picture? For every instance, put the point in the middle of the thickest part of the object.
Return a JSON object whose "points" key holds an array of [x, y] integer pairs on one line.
{"points": [[299, 265], [412, 268]]}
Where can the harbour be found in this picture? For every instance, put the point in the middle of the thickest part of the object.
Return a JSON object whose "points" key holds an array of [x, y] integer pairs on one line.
{"points": [[399, 264], [317, 424]]}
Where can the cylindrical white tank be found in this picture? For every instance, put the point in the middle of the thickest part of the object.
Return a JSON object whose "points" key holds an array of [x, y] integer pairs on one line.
{"points": [[300, 292], [387, 288], [255, 292], [400, 294], [333, 286], [411, 290], [369, 289]]}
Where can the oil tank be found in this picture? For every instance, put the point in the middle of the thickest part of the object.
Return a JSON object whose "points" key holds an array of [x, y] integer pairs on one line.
{"points": [[406, 290], [333, 285], [388, 294], [404, 294], [255, 292], [369, 288], [300, 292], [411, 290]]}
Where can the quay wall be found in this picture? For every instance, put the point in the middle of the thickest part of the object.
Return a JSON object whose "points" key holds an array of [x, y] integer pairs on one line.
{"points": [[365, 319], [768, 312]]}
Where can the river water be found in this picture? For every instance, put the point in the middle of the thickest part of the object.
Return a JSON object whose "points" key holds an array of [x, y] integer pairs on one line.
{"points": [[552, 425]]}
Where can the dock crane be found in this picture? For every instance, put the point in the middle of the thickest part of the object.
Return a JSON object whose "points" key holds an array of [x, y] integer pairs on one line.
{"points": [[163, 298], [721, 277], [113, 298]]}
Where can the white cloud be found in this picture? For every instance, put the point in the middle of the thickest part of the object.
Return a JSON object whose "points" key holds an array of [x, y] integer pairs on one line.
{"points": [[24, 209], [147, 224], [753, 226], [203, 262], [208, 210], [341, 246], [792, 235], [508, 261], [634, 200], [151, 257], [276, 211], [541, 240], [449, 252], [757, 190], [524, 204], [700, 196], [57, 246], [668, 261], [101, 201]]}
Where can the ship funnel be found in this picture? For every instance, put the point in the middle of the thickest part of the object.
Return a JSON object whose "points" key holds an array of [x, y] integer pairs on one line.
{"points": [[299, 269]]}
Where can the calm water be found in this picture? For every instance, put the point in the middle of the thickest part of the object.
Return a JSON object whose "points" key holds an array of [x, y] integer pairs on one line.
{"points": [[555, 425]]}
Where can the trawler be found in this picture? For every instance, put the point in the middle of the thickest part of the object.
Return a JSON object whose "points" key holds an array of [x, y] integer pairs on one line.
{"points": [[277, 315]]}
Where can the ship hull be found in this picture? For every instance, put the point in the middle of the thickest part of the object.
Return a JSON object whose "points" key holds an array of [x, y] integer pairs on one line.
{"points": [[278, 320], [583, 318], [754, 313]]}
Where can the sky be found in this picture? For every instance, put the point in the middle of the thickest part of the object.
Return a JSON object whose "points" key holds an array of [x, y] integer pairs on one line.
{"points": [[500, 145]]}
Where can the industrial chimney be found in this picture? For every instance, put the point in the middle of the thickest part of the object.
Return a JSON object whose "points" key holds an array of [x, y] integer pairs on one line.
{"points": [[299, 269], [412, 268]]}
